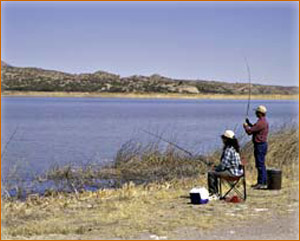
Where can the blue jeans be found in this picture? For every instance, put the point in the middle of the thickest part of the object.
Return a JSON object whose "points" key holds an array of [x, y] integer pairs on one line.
{"points": [[260, 151]]}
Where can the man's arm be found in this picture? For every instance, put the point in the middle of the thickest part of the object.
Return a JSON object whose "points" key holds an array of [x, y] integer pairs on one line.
{"points": [[255, 128]]}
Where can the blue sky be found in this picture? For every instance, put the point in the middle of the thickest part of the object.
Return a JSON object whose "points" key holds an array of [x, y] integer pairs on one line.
{"points": [[188, 40]]}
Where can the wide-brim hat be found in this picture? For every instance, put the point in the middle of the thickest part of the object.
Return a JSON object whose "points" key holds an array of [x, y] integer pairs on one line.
{"points": [[228, 134], [261, 109]]}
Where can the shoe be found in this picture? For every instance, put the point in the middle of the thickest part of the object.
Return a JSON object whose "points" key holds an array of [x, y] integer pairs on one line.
{"points": [[255, 185], [260, 187], [213, 196]]}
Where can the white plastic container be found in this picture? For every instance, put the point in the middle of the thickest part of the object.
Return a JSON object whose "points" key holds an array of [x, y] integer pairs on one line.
{"points": [[199, 195]]}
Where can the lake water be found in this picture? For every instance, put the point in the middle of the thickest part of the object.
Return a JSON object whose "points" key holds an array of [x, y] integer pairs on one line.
{"points": [[77, 130]]}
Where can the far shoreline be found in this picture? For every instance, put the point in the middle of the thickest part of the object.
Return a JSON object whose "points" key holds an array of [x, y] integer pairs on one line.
{"points": [[146, 95]]}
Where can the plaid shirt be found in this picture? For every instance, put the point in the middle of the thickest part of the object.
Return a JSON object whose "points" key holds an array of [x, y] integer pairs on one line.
{"points": [[231, 161]]}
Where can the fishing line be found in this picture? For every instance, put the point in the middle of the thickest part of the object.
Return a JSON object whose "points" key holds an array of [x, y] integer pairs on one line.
{"points": [[175, 145], [7, 143]]}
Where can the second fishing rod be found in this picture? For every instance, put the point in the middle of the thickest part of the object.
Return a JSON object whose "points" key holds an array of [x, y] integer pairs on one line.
{"points": [[178, 147]]}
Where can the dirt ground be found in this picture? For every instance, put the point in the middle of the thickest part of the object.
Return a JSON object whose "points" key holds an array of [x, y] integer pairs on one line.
{"points": [[277, 228], [157, 214]]}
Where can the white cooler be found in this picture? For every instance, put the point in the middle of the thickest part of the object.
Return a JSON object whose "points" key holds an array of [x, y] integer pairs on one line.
{"points": [[199, 195]]}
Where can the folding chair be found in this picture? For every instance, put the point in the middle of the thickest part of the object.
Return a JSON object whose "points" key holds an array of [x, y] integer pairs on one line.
{"points": [[232, 183]]}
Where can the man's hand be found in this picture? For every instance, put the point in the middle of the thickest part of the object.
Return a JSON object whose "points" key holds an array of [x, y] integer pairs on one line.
{"points": [[212, 167], [247, 121], [210, 161]]}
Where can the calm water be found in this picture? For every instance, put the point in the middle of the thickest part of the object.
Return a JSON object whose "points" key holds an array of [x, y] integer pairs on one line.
{"points": [[77, 130]]}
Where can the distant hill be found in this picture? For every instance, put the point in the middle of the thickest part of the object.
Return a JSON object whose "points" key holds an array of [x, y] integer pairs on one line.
{"points": [[3, 64], [37, 79]]}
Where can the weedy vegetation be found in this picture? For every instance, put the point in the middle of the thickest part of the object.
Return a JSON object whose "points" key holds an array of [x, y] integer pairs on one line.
{"points": [[148, 194]]}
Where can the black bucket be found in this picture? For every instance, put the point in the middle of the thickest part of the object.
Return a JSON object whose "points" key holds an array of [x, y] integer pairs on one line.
{"points": [[274, 178]]}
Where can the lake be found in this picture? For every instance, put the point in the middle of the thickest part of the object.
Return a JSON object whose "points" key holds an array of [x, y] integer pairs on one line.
{"points": [[59, 131]]}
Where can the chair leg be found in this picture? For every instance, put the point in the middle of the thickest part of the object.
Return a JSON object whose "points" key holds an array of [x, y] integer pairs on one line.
{"points": [[239, 193], [230, 189], [220, 186], [245, 191], [233, 187]]}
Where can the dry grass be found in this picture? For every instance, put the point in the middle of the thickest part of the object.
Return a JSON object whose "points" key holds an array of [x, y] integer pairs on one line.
{"points": [[159, 207], [148, 163], [127, 212], [148, 95], [134, 162]]}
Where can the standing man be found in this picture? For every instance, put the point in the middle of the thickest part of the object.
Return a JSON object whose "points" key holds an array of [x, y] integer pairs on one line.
{"points": [[259, 132]]}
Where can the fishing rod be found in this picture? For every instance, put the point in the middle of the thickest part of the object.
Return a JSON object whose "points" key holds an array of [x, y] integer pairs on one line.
{"points": [[249, 80], [175, 145]]}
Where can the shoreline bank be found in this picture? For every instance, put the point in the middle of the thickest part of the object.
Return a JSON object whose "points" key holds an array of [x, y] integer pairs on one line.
{"points": [[146, 95], [161, 209]]}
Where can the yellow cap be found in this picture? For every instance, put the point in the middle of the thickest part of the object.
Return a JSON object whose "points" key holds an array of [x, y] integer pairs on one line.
{"points": [[261, 109]]}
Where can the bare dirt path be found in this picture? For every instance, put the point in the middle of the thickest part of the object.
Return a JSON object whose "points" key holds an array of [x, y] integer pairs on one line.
{"points": [[277, 228]]}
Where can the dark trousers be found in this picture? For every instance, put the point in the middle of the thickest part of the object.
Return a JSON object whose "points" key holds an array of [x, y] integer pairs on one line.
{"points": [[260, 151], [212, 180]]}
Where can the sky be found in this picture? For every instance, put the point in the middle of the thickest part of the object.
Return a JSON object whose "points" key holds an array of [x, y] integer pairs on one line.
{"points": [[183, 40]]}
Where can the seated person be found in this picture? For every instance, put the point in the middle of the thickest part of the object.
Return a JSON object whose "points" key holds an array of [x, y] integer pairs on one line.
{"points": [[230, 165]]}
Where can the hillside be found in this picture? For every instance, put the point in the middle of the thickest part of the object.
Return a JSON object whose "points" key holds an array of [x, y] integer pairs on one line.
{"points": [[37, 79]]}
